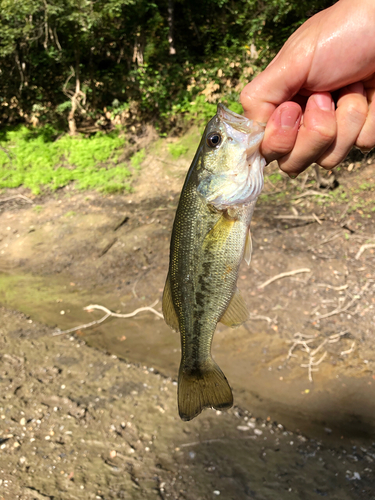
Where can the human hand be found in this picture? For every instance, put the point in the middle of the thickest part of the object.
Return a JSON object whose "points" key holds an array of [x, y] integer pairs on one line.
{"points": [[332, 51]]}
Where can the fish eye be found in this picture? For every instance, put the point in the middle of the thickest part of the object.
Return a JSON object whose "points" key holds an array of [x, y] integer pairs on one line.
{"points": [[214, 139]]}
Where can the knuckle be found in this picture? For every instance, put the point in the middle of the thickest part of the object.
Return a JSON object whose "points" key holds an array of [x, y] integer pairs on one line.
{"points": [[365, 143], [331, 159], [324, 134], [244, 96], [357, 112], [292, 167], [281, 145], [329, 163]]}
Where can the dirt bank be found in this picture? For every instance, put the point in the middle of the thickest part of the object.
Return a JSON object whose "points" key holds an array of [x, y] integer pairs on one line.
{"points": [[77, 423], [101, 421]]}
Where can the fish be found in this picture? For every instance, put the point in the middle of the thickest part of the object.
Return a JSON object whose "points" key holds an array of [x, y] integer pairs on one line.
{"points": [[210, 238]]}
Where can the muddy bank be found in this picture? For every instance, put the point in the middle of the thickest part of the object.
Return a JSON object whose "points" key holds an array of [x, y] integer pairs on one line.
{"points": [[94, 415], [305, 359], [77, 423]]}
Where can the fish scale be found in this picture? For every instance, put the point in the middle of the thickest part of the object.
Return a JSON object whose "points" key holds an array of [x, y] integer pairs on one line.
{"points": [[208, 243]]}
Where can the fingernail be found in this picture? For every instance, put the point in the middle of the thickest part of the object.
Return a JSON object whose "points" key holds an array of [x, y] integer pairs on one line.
{"points": [[324, 102], [289, 117]]}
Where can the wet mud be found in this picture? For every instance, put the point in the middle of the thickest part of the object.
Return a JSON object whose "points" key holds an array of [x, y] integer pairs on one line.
{"points": [[93, 414]]}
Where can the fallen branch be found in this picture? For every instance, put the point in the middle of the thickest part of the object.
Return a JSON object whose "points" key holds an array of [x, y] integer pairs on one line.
{"points": [[317, 219], [109, 313], [297, 342], [304, 343], [4, 200], [261, 318], [284, 275], [310, 192], [339, 309], [337, 288], [349, 350], [107, 247], [336, 337], [364, 247], [312, 363], [312, 218]]}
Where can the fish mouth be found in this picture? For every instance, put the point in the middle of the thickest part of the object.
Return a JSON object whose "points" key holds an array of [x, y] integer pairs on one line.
{"points": [[238, 126], [238, 122]]}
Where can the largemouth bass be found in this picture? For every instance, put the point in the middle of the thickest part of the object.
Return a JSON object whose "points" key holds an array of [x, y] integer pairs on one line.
{"points": [[210, 237]]}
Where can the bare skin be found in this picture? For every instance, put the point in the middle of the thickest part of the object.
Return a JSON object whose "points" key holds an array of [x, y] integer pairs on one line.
{"points": [[334, 51]]}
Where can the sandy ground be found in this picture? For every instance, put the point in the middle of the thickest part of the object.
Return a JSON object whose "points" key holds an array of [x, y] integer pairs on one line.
{"points": [[93, 415], [77, 423]]}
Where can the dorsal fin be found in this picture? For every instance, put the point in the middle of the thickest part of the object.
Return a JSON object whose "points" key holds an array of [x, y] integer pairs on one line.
{"points": [[237, 311]]}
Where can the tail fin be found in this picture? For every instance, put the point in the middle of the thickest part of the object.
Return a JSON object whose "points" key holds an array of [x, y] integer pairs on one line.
{"points": [[202, 387]]}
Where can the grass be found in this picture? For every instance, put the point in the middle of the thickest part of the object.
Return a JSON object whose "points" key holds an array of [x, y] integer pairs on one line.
{"points": [[177, 150], [38, 159], [137, 159]]}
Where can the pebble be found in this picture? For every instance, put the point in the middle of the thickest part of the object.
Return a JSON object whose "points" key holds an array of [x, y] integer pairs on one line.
{"points": [[258, 432], [243, 428], [216, 492]]}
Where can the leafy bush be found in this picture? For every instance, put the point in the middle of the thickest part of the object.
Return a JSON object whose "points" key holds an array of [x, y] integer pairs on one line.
{"points": [[37, 160]]}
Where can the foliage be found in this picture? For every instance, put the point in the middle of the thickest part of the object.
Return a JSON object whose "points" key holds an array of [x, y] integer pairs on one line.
{"points": [[177, 150], [137, 159], [135, 59], [39, 159]]}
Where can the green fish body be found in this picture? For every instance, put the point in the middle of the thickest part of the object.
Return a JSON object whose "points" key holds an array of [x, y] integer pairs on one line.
{"points": [[210, 238]]}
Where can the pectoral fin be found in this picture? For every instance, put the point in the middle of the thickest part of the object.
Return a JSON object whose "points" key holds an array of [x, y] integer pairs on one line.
{"points": [[220, 232], [237, 311], [248, 248], [169, 311]]}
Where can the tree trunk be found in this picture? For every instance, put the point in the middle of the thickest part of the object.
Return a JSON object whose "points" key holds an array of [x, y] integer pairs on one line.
{"points": [[75, 97], [172, 50]]}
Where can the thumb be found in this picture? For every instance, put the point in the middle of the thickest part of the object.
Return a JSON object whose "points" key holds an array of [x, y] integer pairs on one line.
{"points": [[279, 82]]}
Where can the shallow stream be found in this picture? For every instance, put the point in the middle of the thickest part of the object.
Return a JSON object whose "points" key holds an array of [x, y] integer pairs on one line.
{"points": [[335, 405]]}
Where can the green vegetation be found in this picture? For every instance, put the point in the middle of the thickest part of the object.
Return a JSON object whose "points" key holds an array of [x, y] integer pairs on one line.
{"points": [[83, 67], [39, 158], [116, 61], [138, 158], [275, 177], [177, 150]]}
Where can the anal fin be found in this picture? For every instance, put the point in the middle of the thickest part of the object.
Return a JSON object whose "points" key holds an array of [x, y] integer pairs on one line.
{"points": [[169, 311], [237, 311]]}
